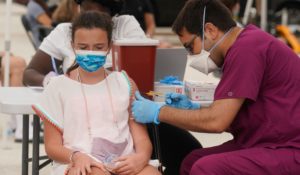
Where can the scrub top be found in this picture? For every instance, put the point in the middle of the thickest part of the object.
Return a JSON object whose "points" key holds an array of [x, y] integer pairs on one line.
{"points": [[266, 73]]}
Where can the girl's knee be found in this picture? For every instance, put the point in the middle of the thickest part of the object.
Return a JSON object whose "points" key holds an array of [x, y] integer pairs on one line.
{"points": [[97, 171], [149, 170]]}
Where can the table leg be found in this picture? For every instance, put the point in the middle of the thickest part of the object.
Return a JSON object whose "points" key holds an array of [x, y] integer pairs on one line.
{"points": [[157, 147], [36, 145], [25, 144]]}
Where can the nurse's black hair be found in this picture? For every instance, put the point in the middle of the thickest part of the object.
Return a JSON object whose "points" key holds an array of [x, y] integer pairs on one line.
{"points": [[91, 20], [191, 16], [230, 4], [113, 7]]}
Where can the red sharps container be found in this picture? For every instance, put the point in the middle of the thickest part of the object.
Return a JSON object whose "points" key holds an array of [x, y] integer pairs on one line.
{"points": [[137, 58]]}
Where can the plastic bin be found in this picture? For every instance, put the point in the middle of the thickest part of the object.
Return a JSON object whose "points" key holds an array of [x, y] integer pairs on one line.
{"points": [[137, 58]]}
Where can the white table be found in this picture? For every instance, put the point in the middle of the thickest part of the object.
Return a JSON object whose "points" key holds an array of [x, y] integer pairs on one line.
{"points": [[18, 100]]}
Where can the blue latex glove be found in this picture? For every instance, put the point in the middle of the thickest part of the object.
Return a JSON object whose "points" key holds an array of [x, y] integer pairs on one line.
{"points": [[171, 80], [144, 110], [180, 101]]}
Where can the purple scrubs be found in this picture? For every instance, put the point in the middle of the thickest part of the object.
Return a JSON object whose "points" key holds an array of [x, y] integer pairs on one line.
{"points": [[266, 130]]}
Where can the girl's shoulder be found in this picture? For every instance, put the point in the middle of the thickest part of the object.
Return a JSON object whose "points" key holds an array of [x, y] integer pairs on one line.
{"points": [[57, 81], [123, 79], [119, 74]]}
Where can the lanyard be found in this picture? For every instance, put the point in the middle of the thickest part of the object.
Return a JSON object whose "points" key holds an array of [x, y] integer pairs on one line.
{"points": [[86, 104], [54, 65]]}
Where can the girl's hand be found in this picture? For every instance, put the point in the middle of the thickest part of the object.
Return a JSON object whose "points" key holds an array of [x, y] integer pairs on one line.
{"points": [[73, 171], [130, 164], [84, 163]]}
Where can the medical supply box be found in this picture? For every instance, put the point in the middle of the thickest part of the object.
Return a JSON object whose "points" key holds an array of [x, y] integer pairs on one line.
{"points": [[162, 89], [200, 91], [137, 58]]}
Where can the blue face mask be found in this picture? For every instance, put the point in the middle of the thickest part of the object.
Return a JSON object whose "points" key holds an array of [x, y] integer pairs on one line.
{"points": [[89, 60]]}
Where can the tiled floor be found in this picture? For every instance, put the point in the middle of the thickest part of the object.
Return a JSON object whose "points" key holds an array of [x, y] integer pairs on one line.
{"points": [[10, 152]]}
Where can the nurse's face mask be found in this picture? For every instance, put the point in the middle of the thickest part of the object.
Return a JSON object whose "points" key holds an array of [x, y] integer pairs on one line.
{"points": [[202, 62], [89, 60]]}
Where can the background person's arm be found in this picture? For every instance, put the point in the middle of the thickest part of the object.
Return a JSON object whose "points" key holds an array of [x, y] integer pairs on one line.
{"points": [[39, 13], [214, 119], [150, 24], [149, 18], [39, 66], [44, 20]]}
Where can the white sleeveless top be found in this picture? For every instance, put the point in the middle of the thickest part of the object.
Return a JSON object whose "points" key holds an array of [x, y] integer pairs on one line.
{"points": [[62, 103]]}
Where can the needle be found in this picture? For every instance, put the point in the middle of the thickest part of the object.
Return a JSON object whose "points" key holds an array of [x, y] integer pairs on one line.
{"points": [[153, 93]]}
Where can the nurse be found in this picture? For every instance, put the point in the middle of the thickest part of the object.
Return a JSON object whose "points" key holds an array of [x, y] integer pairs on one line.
{"points": [[257, 99]]}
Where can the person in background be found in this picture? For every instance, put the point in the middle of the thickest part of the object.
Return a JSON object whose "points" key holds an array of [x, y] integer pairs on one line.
{"points": [[87, 122], [16, 69], [51, 4], [37, 17], [143, 11], [66, 11], [45, 6], [257, 99]]}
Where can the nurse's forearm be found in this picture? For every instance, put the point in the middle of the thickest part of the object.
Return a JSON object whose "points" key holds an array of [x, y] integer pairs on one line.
{"points": [[150, 24], [193, 120], [214, 119]]}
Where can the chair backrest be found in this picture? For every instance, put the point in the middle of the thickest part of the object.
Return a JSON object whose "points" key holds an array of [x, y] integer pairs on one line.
{"points": [[291, 39], [25, 23], [43, 32], [28, 30]]}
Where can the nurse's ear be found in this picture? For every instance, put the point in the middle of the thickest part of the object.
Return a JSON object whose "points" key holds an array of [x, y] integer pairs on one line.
{"points": [[211, 31]]}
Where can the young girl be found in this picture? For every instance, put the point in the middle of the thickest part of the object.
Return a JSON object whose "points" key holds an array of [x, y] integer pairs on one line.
{"points": [[86, 111]]}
